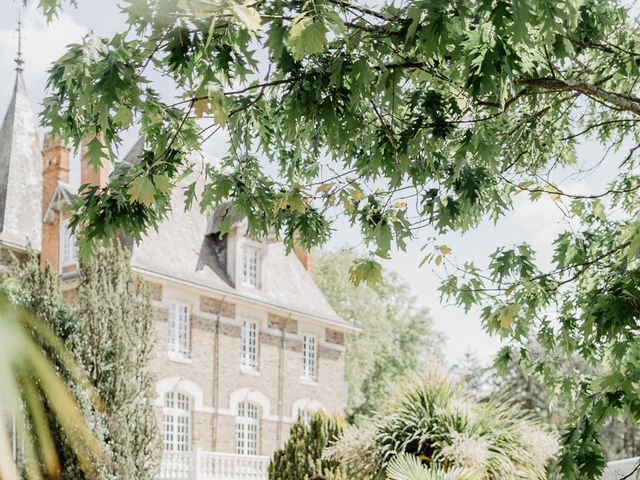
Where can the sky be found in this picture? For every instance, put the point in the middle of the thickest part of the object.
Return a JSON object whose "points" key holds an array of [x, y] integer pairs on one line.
{"points": [[535, 222]]}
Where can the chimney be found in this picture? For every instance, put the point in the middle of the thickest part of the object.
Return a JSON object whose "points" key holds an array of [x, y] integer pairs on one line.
{"points": [[55, 167], [88, 174], [304, 256]]}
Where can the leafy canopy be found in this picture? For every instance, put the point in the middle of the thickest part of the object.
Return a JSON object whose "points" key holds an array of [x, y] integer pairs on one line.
{"points": [[421, 114], [396, 337]]}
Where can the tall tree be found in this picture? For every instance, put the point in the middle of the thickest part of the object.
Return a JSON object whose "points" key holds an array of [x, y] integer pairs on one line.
{"points": [[396, 336], [114, 341], [400, 117], [108, 329], [38, 291]]}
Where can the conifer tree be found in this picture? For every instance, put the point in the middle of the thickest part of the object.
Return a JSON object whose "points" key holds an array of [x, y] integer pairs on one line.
{"points": [[301, 456], [114, 341], [38, 290], [109, 331]]}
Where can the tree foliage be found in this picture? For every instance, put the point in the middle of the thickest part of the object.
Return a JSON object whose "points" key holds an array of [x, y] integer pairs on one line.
{"points": [[61, 429], [425, 114], [436, 421], [107, 329], [396, 337], [301, 456], [114, 340], [620, 436]]}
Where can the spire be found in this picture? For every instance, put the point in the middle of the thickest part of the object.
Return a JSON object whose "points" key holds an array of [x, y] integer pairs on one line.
{"points": [[19, 60], [20, 169]]}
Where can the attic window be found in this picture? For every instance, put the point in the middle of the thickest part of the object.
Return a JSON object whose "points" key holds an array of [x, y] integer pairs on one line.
{"points": [[251, 267]]}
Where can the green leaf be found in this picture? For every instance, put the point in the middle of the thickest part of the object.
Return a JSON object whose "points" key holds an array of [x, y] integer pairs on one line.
{"points": [[248, 16], [365, 270], [124, 117], [162, 183], [307, 37], [218, 106], [141, 190], [634, 246]]}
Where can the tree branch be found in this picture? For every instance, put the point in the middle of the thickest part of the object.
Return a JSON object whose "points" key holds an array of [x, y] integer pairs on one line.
{"points": [[622, 101]]}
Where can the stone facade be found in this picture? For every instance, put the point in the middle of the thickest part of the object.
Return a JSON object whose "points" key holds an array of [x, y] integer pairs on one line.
{"points": [[213, 377]]}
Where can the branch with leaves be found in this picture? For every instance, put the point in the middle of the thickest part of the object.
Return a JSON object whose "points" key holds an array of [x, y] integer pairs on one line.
{"points": [[428, 115]]}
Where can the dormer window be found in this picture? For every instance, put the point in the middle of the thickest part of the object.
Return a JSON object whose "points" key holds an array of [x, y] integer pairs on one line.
{"points": [[69, 247], [251, 266]]}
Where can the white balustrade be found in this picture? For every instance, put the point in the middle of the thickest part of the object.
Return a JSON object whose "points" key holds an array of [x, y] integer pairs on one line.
{"points": [[199, 465]]}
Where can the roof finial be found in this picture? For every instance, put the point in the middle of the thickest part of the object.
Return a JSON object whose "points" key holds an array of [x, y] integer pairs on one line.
{"points": [[19, 60]]}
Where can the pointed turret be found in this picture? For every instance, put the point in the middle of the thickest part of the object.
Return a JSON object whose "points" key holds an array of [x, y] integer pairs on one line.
{"points": [[20, 171]]}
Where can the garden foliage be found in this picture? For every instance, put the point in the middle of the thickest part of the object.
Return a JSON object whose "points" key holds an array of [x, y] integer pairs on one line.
{"points": [[106, 325], [437, 422], [301, 457]]}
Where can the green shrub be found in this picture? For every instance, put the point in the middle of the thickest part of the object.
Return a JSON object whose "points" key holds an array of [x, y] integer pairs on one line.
{"points": [[301, 457], [438, 423]]}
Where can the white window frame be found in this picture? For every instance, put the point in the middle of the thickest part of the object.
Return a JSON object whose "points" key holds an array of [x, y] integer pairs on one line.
{"points": [[250, 345], [176, 422], [179, 329], [68, 244], [251, 276], [310, 357], [247, 428]]}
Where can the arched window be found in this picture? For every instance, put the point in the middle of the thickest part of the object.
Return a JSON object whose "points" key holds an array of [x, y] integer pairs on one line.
{"points": [[247, 429], [177, 422]]}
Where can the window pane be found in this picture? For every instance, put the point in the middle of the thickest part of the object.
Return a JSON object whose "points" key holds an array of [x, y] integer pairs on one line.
{"points": [[249, 353], [177, 422], [69, 245], [309, 357], [179, 329], [250, 266], [247, 429]]}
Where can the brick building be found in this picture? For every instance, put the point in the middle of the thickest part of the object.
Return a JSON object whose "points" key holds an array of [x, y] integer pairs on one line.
{"points": [[245, 340]]}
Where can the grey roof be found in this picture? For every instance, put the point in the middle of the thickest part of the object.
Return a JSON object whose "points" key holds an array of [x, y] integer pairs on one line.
{"points": [[20, 173], [133, 156], [62, 195], [620, 469], [185, 250]]}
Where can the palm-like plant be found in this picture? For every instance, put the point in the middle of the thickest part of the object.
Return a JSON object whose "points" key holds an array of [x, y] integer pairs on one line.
{"points": [[409, 467], [30, 387], [439, 424]]}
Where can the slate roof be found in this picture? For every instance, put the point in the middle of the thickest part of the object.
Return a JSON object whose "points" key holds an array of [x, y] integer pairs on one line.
{"points": [[186, 250], [20, 173], [621, 469]]}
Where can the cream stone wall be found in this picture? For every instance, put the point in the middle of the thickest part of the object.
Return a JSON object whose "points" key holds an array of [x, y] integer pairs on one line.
{"points": [[277, 387]]}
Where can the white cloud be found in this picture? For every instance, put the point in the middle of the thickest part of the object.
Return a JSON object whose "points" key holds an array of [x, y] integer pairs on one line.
{"points": [[42, 43], [539, 222]]}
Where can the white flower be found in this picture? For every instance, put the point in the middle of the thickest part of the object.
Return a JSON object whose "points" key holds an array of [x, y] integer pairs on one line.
{"points": [[542, 445], [465, 451]]}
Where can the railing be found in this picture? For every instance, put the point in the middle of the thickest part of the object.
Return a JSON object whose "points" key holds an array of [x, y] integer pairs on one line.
{"points": [[199, 465]]}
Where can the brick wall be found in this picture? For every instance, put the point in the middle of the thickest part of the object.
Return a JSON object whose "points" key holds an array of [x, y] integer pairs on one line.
{"points": [[237, 384]]}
